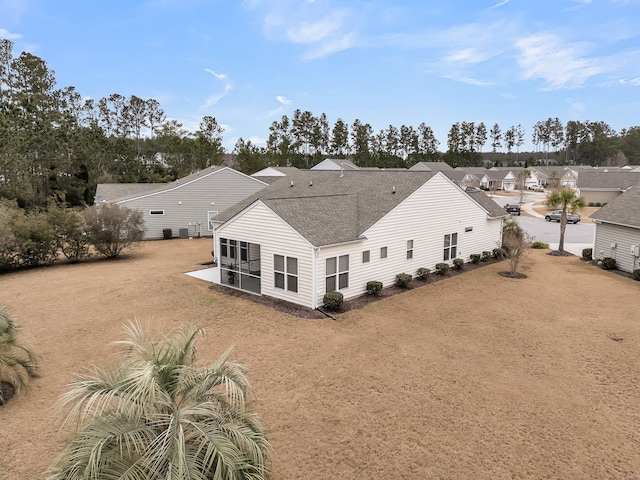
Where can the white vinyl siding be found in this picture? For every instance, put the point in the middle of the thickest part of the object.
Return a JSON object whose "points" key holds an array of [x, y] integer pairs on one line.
{"points": [[275, 238], [188, 205], [623, 237], [435, 209]]}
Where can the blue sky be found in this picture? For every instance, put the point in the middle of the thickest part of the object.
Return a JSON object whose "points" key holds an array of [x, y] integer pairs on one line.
{"points": [[385, 62]]}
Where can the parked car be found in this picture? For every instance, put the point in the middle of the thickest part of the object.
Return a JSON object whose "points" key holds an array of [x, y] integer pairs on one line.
{"points": [[536, 188], [556, 215], [512, 209]]}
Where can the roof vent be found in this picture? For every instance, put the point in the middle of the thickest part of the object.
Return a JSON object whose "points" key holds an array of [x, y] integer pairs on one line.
{"points": [[311, 183], [394, 190], [291, 183]]}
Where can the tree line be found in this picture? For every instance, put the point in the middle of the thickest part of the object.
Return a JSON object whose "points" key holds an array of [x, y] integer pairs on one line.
{"points": [[56, 144]]}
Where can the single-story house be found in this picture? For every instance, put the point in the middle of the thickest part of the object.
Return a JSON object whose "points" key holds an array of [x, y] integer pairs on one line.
{"points": [[617, 232], [185, 206], [315, 232], [462, 178], [271, 174], [601, 186], [480, 173], [502, 179]]}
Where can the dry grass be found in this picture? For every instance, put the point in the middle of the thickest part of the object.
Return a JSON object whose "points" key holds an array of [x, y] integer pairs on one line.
{"points": [[476, 376]]}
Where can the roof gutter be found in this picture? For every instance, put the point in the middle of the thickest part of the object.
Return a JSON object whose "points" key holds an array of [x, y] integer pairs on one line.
{"points": [[597, 220]]}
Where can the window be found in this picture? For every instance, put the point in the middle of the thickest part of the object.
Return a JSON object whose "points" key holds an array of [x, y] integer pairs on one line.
{"points": [[383, 252], [409, 249], [337, 273], [156, 212], [285, 273], [450, 246], [366, 256]]}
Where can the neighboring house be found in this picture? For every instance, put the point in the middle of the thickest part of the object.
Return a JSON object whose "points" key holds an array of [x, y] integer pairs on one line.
{"points": [[480, 173], [335, 164], [315, 232], [599, 187], [502, 179], [617, 232], [531, 178], [432, 167], [271, 174], [463, 179], [554, 177], [186, 205]]}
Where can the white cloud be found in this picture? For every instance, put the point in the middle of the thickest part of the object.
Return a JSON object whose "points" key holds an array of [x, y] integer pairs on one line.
{"points": [[274, 112], [468, 80], [283, 100], [219, 76], [467, 55], [635, 82], [499, 4], [312, 32], [4, 33], [544, 56]]}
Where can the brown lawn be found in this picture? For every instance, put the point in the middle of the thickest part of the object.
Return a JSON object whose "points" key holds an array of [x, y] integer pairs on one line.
{"points": [[474, 377]]}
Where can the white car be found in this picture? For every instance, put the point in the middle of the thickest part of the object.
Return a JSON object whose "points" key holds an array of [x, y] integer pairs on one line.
{"points": [[536, 187]]}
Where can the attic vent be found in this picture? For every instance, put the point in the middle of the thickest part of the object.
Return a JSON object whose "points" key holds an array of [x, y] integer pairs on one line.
{"points": [[311, 183], [394, 190], [291, 183]]}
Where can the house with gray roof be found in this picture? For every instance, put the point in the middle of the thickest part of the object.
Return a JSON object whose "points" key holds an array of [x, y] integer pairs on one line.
{"points": [[335, 164], [431, 166], [314, 232], [599, 187], [186, 205], [617, 232]]}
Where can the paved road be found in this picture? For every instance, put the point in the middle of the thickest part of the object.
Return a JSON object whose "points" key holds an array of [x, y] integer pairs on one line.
{"points": [[576, 237]]}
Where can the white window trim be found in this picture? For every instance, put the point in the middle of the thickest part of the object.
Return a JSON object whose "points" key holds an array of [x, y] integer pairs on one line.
{"points": [[338, 272], [286, 274], [209, 215]]}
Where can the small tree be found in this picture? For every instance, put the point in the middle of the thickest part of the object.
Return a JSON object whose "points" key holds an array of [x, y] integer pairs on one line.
{"points": [[516, 243], [111, 228], [18, 363], [565, 199], [68, 226], [158, 416]]}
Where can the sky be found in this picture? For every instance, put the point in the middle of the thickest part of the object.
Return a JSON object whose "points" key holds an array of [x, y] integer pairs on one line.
{"points": [[385, 62]]}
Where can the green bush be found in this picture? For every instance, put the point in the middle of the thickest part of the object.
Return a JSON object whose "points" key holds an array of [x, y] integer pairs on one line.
{"points": [[539, 245], [598, 204], [498, 253], [403, 280], [111, 228], [591, 204], [36, 240], [423, 273], [636, 274], [68, 226], [442, 268], [485, 256], [587, 254], [333, 301], [608, 263], [374, 288], [458, 263], [475, 257], [167, 234]]}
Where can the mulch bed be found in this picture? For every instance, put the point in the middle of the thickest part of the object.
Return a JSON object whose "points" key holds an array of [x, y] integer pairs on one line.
{"points": [[354, 303]]}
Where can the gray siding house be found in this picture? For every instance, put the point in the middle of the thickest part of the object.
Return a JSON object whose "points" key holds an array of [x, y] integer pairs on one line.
{"points": [[617, 233], [314, 232], [185, 206], [603, 186]]}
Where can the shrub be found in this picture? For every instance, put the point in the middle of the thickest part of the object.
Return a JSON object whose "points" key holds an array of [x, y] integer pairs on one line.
{"points": [[587, 254], [608, 263], [539, 245], [36, 240], [591, 204], [598, 204], [111, 228], [475, 257], [458, 263], [498, 253], [423, 273], [485, 256], [67, 224], [403, 280], [636, 274], [333, 300], [442, 268], [374, 288], [167, 234], [8, 245]]}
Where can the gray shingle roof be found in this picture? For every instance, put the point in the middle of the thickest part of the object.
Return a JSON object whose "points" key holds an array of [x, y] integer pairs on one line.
{"points": [[328, 208], [623, 210], [607, 180], [432, 166]]}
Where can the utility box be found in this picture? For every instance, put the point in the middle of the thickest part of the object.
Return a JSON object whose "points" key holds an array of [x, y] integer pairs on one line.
{"points": [[184, 233]]}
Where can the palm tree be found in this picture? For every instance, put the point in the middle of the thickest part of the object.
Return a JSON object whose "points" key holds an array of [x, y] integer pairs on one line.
{"points": [[157, 416], [18, 363], [565, 199]]}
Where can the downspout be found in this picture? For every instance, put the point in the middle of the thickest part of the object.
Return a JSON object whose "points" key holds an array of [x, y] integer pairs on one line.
{"points": [[315, 251]]}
